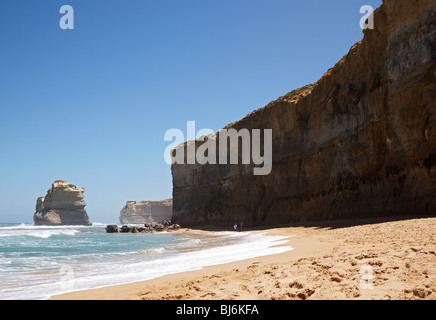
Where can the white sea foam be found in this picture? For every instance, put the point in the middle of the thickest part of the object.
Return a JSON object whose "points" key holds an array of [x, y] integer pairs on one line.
{"points": [[36, 231], [254, 245], [189, 243], [152, 251], [101, 263]]}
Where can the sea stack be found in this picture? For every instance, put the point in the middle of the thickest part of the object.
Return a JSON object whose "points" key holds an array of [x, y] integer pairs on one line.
{"points": [[64, 204], [140, 212]]}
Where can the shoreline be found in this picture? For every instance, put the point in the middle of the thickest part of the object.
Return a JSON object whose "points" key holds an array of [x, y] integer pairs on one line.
{"points": [[325, 263], [220, 234], [126, 291]]}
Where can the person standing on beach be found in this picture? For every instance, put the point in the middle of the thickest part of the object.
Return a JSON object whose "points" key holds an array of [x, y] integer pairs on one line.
{"points": [[241, 225], [235, 227]]}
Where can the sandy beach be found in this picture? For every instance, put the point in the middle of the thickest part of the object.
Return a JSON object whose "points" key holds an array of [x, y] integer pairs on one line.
{"points": [[377, 259]]}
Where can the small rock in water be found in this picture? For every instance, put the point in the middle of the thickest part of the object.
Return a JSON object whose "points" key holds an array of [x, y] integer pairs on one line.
{"points": [[148, 228], [112, 228]]}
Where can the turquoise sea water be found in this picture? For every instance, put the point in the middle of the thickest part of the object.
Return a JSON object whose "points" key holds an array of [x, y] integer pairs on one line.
{"points": [[37, 262]]}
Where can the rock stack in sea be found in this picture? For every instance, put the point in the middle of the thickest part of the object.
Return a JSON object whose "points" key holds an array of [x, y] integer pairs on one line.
{"points": [[149, 227], [140, 212], [64, 204]]}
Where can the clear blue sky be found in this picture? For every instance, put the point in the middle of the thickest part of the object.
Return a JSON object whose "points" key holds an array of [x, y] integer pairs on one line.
{"points": [[92, 105]]}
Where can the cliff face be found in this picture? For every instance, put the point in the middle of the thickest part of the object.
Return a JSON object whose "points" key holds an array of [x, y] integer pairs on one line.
{"points": [[135, 212], [64, 204], [361, 142]]}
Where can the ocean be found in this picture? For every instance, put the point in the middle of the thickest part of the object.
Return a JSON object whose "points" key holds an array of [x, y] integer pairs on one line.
{"points": [[37, 262]]}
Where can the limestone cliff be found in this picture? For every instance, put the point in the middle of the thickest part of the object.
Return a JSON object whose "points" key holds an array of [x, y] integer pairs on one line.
{"points": [[361, 142], [140, 212], [64, 204]]}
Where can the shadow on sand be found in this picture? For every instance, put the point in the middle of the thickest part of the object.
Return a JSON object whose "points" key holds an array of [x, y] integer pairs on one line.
{"points": [[332, 224]]}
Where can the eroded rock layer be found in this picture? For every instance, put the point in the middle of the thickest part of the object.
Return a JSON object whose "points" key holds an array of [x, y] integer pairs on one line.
{"points": [[64, 204], [361, 142], [140, 212]]}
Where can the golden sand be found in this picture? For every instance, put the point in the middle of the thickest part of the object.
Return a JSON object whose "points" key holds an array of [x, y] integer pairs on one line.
{"points": [[365, 259]]}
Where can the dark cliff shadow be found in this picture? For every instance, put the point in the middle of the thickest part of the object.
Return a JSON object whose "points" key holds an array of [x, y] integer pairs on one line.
{"points": [[332, 224], [346, 223]]}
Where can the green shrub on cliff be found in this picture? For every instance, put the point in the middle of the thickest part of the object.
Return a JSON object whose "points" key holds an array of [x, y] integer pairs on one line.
{"points": [[294, 93]]}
